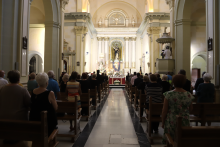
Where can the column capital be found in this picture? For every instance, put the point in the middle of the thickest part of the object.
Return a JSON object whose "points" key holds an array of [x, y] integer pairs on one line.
{"points": [[170, 3], [80, 29], [99, 38], [126, 38], [133, 38], [153, 30], [63, 3], [106, 38], [52, 24]]}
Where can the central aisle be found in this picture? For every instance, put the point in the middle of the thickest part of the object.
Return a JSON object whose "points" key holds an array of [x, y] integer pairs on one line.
{"points": [[114, 127]]}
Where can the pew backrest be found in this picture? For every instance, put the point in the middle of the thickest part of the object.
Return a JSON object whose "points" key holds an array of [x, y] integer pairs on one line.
{"points": [[196, 136], [85, 97], [26, 130], [155, 108]]}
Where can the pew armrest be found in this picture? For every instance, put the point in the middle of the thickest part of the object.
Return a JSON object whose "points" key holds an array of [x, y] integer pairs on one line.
{"points": [[53, 135], [169, 140]]}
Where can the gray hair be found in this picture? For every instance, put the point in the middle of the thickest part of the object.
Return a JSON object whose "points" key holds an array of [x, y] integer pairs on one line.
{"points": [[51, 74], [94, 76], [65, 77], [42, 79], [207, 77], [165, 77], [146, 79]]}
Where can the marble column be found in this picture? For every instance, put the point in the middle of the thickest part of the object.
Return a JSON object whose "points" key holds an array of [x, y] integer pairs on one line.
{"points": [[172, 27], [130, 52], [63, 3], [183, 44], [126, 52], [106, 51], [133, 52], [154, 46], [80, 48], [99, 47], [14, 25]]}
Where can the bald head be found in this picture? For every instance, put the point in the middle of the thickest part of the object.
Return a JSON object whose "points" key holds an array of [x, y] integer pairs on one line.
{"points": [[2, 73]]}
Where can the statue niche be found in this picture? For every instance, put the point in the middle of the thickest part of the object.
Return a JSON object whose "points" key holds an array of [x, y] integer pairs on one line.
{"points": [[116, 51]]}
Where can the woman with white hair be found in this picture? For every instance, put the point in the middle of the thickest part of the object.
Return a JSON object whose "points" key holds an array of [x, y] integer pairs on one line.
{"points": [[63, 83], [44, 100], [206, 90]]}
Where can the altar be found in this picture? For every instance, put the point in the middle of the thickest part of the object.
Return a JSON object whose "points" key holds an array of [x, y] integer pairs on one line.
{"points": [[116, 80]]}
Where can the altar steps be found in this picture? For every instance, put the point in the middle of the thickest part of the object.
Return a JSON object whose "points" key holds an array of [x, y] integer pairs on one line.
{"points": [[116, 86]]}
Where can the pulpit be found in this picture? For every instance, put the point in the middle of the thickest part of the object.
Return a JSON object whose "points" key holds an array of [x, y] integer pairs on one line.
{"points": [[163, 66]]}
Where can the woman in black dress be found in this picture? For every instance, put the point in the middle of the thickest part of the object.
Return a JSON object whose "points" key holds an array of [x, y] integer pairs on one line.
{"points": [[43, 100]]}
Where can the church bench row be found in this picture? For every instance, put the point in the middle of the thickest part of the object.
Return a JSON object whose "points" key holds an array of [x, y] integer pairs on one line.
{"points": [[28, 131], [194, 136], [201, 113]]}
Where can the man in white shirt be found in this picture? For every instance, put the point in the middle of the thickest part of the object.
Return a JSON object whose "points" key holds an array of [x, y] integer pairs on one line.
{"points": [[133, 78], [167, 53], [3, 82]]}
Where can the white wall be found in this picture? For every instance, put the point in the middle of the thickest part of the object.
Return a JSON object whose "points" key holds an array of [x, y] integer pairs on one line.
{"points": [[70, 37], [198, 39], [88, 56], [199, 63], [71, 6], [36, 40]]}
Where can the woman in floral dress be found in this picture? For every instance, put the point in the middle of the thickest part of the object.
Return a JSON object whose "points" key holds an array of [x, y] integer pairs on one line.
{"points": [[176, 102]]}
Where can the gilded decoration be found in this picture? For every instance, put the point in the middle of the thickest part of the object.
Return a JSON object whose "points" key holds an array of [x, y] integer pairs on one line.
{"points": [[80, 29]]}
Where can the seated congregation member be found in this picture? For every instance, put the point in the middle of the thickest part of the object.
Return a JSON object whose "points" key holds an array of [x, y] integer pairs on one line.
{"points": [[73, 89], [158, 78], [63, 83], [169, 79], [85, 84], [138, 80], [93, 82], [14, 99], [3, 82], [127, 77], [166, 85], [106, 77], [206, 90], [44, 100], [78, 78], [99, 77], [176, 102], [61, 77], [154, 90], [199, 81], [187, 85], [53, 85], [142, 85], [133, 78], [32, 83]]}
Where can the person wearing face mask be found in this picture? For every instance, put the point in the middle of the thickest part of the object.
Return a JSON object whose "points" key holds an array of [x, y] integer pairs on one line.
{"points": [[3, 82]]}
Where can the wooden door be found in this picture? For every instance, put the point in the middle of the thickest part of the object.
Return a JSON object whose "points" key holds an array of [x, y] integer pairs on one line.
{"points": [[195, 75]]}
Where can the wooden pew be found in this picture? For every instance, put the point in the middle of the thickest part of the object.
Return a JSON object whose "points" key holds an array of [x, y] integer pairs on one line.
{"points": [[106, 87], [94, 96], [136, 96], [132, 91], [63, 96], [141, 105], [86, 103], [154, 109], [194, 136], [28, 131], [211, 113], [100, 94], [71, 113], [195, 114]]}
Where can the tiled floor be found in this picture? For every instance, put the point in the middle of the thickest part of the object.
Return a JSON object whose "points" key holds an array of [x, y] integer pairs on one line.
{"points": [[114, 127]]}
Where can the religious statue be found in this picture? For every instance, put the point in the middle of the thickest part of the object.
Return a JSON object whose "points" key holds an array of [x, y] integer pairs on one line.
{"points": [[116, 49]]}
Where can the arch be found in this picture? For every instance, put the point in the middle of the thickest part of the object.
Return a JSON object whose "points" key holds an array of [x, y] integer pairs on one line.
{"points": [[52, 10], [116, 7], [182, 9], [33, 53], [200, 54]]}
